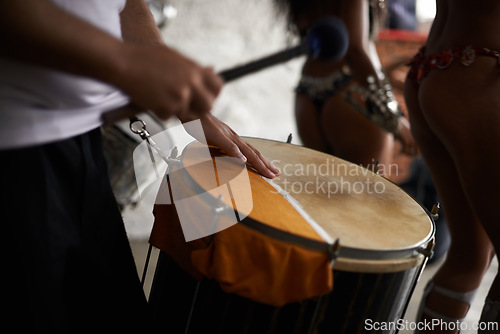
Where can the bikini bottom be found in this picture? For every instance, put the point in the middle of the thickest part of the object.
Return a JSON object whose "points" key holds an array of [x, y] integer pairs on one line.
{"points": [[320, 89], [375, 101], [421, 65]]}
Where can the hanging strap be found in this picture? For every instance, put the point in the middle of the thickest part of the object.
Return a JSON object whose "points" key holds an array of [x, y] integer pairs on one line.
{"points": [[138, 127]]}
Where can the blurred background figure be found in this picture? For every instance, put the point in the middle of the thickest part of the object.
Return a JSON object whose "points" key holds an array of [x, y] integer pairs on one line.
{"points": [[452, 95], [402, 14], [348, 108], [163, 11], [402, 17]]}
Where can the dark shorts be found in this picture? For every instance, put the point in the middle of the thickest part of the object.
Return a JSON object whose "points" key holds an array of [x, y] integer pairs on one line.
{"points": [[67, 263]]}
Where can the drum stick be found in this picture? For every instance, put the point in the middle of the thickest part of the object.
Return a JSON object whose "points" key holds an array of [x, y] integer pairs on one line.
{"points": [[327, 40]]}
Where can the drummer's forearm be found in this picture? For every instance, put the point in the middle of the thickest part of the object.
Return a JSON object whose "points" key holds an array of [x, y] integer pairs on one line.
{"points": [[138, 24], [41, 33], [354, 14]]}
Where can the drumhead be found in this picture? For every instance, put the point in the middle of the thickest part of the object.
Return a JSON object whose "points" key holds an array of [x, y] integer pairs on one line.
{"points": [[374, 220]]}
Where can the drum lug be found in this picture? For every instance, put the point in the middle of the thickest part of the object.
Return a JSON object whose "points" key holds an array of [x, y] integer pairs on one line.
{"points": [[435, 211], [428, 251], [334, 251], [289, 139]]}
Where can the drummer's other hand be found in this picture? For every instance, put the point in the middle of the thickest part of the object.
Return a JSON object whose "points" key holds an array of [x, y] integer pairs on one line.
{"points": [[222, 136], [163, 80]]}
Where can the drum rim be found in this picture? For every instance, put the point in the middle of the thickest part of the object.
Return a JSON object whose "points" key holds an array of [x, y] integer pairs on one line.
{"points": [[344, 252]]}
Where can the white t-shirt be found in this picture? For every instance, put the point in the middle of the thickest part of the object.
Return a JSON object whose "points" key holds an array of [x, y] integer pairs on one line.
{"points": [[39, 105]]}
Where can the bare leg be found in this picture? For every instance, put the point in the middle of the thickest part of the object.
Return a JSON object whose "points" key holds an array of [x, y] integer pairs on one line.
{"points": [[307, 119], [339, 129], [471, 136], [471, 250]]}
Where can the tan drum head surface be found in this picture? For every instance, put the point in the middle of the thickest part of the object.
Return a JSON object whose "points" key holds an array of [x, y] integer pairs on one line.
{"points": [[251, 195], [380, 227], [363, 209]]}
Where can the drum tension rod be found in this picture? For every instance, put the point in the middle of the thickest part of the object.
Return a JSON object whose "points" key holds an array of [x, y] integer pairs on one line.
{"points": [[428, 251], [435, 211], [334, 251]]}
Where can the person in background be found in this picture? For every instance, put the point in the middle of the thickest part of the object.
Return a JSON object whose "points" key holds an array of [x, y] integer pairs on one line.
{"points": [[401, 15], [347, 108], [63, 66], [452, 96]]}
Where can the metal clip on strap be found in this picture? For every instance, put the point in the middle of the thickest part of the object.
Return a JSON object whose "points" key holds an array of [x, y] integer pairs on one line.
{"points": [[138, 127]]}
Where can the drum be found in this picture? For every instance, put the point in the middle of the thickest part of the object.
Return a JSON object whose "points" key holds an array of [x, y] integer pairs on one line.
{"points": [[350, 246]]}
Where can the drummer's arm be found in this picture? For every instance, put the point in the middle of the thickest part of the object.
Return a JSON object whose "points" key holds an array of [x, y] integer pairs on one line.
{"points": [[139, 27], [39, 32], [138, 24], [154, 76]]}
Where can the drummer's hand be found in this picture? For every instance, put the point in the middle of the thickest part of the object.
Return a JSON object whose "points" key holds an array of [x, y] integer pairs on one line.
{"points": [[161, 79], [222, 136], [404, 136]]}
